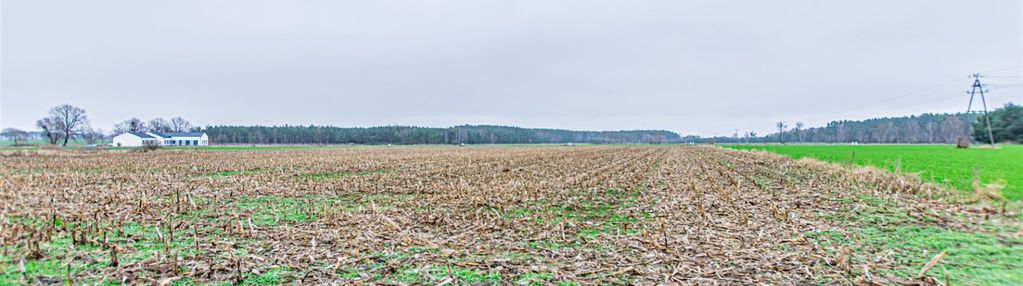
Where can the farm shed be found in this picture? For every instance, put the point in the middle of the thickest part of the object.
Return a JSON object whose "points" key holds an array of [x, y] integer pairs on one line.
{"points": [[138, 139]]}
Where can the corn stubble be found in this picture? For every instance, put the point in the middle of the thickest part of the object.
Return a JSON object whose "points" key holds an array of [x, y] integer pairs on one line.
{"points": [[637, 215]]}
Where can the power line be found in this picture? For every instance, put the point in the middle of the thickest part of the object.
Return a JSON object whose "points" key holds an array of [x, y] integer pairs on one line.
{"points": [[977, 86], [1002, 69], [889, 100], [944, 95]]}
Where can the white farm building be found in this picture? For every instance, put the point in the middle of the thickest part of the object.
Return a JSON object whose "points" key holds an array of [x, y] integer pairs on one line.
{"points": [[138, 139]]}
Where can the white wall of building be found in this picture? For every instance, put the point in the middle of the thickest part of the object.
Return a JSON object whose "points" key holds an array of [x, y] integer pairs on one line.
{"points": [[127, 140], [182, 140], [132, 140]]}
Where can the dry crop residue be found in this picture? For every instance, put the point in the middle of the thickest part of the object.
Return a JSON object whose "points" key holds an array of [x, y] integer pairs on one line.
{"points": [[428, 215]]}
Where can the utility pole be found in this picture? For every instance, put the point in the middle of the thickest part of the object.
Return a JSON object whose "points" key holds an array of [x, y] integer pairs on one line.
{"points": [[977, 86]]}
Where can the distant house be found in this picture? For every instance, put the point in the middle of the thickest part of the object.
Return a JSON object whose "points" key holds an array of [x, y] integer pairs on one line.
{"points": [[139, 139]]}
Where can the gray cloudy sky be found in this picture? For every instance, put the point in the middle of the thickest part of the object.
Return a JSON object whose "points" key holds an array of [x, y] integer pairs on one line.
{"points": [[694, 67]]}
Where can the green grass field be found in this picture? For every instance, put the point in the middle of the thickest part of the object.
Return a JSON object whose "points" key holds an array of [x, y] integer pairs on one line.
{"points": [[942, 164], [37, 143]]}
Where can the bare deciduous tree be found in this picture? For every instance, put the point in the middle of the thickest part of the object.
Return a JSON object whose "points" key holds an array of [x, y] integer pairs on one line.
{"points": [[179, 124], [160, 125], [50, 128], [799, 131], [751, 135], [70, 120], [92, 136], [131, 125], [15, 134], [781, 131]]}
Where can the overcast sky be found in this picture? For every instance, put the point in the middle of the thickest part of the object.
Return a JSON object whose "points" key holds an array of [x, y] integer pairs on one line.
{"points": [[694, 67]]}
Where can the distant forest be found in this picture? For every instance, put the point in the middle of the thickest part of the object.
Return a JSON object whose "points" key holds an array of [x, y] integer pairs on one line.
{"points": [[917, 129], [65, 123], [926, 128], [466, 134]]}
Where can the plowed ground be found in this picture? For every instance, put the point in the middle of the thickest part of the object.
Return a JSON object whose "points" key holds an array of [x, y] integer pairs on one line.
{"points": [[478, 215]]}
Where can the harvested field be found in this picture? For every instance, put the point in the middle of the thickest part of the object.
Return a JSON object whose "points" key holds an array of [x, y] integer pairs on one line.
{"points": [[491, 215]]}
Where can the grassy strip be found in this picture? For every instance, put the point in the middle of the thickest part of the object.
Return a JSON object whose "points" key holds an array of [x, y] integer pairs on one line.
{"points": [[35, 143]]}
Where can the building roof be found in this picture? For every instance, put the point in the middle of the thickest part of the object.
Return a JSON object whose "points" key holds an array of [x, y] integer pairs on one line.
{"points": [[140, 135], [178, 134]]}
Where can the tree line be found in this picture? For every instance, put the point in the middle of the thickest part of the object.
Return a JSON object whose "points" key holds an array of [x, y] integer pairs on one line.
{"points": [[917, 129], [64, 123], [465, 134], [928, 128], [925, 128], [1006, 125]]}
